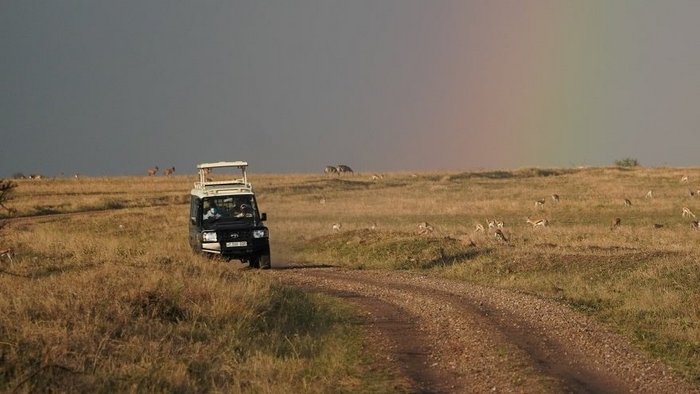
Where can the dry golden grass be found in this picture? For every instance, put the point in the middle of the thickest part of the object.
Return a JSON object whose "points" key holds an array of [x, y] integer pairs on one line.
{"points": [[115, 301], [152, 314], [636, 277]]}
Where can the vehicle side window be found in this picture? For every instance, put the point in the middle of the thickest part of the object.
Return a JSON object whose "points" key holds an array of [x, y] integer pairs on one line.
{"points": [[195, 209]]}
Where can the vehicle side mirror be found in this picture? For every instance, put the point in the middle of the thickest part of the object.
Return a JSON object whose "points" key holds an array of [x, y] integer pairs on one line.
{"points": [[263, 216]]}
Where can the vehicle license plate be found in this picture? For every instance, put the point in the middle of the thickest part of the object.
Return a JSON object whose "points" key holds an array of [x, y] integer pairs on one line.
{"points": [[236, 244]]}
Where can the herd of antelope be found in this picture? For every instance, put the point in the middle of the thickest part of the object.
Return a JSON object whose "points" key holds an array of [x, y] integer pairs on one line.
{"points": [[497, 227], [166, 172]]}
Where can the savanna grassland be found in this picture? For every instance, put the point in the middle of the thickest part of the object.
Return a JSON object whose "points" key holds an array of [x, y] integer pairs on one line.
{"points": [[111, 298]]}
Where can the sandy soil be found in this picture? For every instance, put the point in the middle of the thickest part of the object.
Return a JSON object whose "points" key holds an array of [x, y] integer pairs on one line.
{"points": [[449, 336]]}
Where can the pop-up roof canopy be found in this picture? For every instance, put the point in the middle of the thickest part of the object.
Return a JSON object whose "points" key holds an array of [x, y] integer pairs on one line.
{"points": [[206, 168]]}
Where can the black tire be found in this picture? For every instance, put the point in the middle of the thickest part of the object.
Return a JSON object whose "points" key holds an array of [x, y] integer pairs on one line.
{"points": [[264, 261], [254, 262]]}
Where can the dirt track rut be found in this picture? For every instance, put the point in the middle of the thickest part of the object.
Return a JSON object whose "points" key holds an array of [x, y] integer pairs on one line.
{"points": [[449, 336]]}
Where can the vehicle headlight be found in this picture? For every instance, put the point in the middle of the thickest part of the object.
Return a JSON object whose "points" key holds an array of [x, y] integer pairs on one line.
{"points": [[209, 236], [260, 233]]}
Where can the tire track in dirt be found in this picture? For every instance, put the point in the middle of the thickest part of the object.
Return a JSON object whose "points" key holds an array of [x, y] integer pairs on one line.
{"points": [[482, 339], [393, 323]]}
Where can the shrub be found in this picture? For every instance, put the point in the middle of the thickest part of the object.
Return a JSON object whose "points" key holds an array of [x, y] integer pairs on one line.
{"points": [[627, 162]]}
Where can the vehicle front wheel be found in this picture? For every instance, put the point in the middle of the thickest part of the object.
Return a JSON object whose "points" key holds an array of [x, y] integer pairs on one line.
{"points": [[254, 262], [264, 262]]}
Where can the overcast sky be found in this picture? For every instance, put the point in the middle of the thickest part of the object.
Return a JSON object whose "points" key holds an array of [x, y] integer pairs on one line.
{"points": [[114, 87]]}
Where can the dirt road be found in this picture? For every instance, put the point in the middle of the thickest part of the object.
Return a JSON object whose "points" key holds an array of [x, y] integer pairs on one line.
{"points": [[448, 336]]}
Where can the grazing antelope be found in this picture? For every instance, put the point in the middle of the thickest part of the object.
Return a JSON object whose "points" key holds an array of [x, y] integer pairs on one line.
{"points": [[153, 171], [373, 226], [555, 197], [169, 171], [538, 222], [330, 170], [684, 179], [336, 226], [649, 194], [687, 212], [628, 203], [658, 225], [616, 223], [425, 228], [540, 203], [8, 253], [695, 225], [500, 236], [495, 223], [322, 200], [377, 177], [691, 193], [478, 228], [343, 168]]}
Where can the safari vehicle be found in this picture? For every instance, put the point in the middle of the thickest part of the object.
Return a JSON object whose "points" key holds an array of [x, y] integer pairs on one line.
{"points": [[224, 216]]}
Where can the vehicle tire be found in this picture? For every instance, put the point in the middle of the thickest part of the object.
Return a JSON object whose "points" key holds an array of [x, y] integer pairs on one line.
{"points": [[264, 262], [254, 262]]}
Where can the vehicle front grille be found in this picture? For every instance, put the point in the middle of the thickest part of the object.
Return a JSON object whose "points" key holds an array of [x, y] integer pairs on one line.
{"points": [[233, 235]]}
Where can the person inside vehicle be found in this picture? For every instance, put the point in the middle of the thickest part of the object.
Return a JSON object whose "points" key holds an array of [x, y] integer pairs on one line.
{"points": [[213, 212]]}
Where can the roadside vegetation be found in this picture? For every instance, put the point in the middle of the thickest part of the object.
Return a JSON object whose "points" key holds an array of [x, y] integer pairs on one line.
{"points": [[639, 276], [115, 298]]}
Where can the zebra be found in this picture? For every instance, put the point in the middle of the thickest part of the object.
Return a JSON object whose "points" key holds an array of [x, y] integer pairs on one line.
{"points": [[343, 168], [330, 170]]}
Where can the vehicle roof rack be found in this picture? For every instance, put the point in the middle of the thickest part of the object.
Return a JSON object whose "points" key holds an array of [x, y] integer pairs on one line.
{"points": [[206, 168]]}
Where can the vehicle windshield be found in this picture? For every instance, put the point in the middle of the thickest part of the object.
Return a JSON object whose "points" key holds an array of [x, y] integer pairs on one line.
{"points": [[228, 209]]}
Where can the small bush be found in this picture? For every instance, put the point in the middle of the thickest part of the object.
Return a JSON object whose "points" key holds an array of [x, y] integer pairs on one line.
{"points": [[627, 162]]}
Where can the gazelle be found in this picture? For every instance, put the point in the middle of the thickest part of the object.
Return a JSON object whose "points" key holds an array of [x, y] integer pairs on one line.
{"points": [[628, 203], [540, 203], [684, 179], [555, 197], [687, 212], [500, 235], [425, 228], [695, 225], [153, 171], [169, 171], [8, 253], [538, 222], [336, 226], [478, 228], [649, 194], [616, 223]]}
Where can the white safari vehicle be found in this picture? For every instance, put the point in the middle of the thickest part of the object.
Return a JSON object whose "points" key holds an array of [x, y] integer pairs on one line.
{"points": [[224, 216]]}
